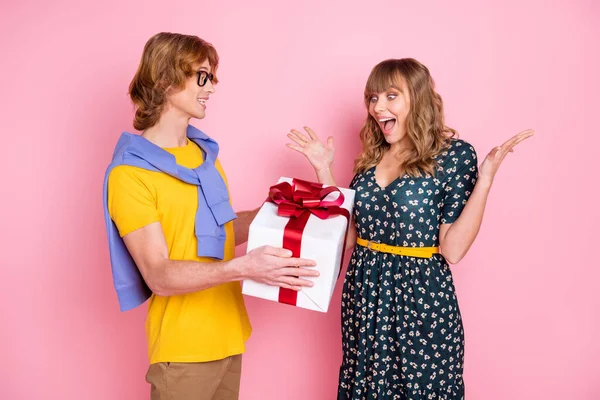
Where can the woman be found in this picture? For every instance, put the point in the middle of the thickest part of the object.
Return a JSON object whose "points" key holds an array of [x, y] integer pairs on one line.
{"points": [[419, 205]]}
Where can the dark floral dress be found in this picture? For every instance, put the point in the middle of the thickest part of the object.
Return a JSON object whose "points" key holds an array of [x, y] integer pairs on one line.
{"points": [[402, 331]]}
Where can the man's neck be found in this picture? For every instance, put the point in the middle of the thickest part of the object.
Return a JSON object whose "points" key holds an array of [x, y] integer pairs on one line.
{"points": [[169, 131]]}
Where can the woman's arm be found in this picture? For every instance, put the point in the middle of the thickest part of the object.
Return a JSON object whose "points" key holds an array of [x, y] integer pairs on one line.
{"points": [[320, 157], [456, 238]]}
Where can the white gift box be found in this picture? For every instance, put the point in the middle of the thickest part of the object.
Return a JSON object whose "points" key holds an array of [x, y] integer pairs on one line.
{"points": [[322, 241]]}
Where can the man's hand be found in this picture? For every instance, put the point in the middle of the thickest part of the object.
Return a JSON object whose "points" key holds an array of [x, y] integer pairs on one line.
{"points": [[276, 267]]}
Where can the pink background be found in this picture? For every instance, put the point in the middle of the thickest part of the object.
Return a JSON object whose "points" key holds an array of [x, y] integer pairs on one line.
{"points": [[528, 288]]}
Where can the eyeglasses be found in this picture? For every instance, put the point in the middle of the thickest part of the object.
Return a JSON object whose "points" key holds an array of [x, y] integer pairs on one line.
{"points": [[203, 77]]}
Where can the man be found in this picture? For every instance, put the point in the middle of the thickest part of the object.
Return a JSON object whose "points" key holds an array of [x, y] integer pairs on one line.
{"points": [[171, 229]]}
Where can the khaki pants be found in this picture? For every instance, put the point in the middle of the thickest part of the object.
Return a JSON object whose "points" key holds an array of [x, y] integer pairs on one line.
{"points": [[213, 380]]}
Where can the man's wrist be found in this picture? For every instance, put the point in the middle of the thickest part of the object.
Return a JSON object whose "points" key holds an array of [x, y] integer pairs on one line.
{"points": [[235, 270]]}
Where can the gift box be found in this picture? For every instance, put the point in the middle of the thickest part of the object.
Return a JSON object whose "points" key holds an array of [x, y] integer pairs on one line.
{"points": [[311, 220]]}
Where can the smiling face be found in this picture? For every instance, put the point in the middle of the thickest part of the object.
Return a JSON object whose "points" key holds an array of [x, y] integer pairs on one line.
{"points": [[388, 98], [191, 101], [389, 109], [167, 79], [405, 117]]}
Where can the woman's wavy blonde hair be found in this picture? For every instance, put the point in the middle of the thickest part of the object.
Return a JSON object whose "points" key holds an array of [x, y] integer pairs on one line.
{"points": [[167, 61], [425, 126]]}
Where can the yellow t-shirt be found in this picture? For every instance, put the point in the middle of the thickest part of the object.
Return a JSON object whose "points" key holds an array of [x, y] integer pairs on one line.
{"points": [[203, 326]]}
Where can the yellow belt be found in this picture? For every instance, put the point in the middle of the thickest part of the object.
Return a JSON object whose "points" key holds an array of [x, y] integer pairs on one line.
{"points": [[421, 252]]}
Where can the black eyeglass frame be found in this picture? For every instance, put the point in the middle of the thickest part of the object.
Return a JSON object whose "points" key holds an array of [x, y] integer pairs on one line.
{"points": [[204, 77]]}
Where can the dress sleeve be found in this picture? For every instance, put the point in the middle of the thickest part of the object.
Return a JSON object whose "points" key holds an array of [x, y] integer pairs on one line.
{"points": [[460, 182]]}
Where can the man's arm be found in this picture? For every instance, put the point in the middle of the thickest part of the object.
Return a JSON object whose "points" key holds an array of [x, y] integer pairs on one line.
{"points": [[241, 225], [166, 277]]}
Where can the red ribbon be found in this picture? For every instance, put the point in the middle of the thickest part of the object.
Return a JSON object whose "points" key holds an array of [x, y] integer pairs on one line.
{"points": [[298, 201]]}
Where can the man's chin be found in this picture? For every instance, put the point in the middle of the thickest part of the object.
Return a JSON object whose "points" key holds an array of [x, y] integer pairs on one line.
{"points": [[199, 115]]}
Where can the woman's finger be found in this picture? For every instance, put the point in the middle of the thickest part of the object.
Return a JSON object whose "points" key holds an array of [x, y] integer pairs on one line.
{"points": [[300, 135], [312, 133], [330, 141], [296, 139], [494, 151], [295, 147], [518, 138]]}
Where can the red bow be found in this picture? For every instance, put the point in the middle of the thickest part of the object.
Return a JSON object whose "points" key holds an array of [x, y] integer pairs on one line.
{"points": [[301, 197], [298, 201]]}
